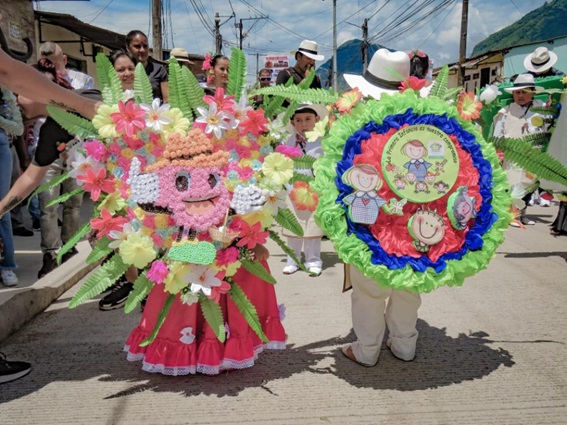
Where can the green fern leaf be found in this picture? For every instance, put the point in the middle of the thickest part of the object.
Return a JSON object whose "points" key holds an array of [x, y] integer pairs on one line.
{"points": [[257, 269], [287, 219], [298, 177], [142, 86], [100, 280], [532, 160], [195, 91], [142, 287], [161, 318], [111, 87], [64, 197], [439, 87], [178, 89], [247, 309], [304, 162], [273, 105], [237, 73], [100, 250], [299, 94], [74, 240], [276, 238], [74, 124], [51, 183], [213, 315]]}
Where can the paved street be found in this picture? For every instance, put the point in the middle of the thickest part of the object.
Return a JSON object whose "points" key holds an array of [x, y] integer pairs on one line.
{"points": [[491, 352]]}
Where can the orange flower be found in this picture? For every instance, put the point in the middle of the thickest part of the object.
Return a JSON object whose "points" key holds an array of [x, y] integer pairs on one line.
{"points": [[302, 196], [348, 100], [468, 107]]}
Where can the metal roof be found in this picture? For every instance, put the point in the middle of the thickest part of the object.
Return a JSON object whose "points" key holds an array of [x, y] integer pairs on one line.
{"points": [[97, 35]]}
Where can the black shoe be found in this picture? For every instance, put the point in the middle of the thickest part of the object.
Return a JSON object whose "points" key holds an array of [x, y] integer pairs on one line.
{"points": [[72, 252], [49, 264], [59, 223], [10, 371], [117, 298], [35, 224], [22, 231]]}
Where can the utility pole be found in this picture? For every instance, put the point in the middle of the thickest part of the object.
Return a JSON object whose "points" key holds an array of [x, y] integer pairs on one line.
{"points": [[218, 36], [364, 46], [156, 29], [240, 26], [335, 45], [463, 45], [240, 36]]}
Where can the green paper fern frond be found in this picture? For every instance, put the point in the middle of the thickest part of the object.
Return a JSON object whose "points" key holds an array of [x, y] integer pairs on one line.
{"points": [[257, 269], [298, 177], [74, 124], [51, 183], [304, 162], [287, 219], [110, 85], [161, 318], [276, 238], [439, 88], [247, 309], [299, 94], [142, 287], [99, 251], [237, 73], [178, 89], [196, 92], [213, 315], [64, 197], [100, 280], [142, 86], [74, 240]]}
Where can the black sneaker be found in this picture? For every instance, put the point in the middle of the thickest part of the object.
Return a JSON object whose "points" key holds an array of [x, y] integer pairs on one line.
{"points": [[10, 371], [22, 231], [49, 264], [35, 224], [117, 298]]}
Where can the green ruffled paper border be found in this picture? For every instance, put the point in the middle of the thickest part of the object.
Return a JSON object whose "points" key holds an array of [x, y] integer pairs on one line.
{"points": [[331, 216]]}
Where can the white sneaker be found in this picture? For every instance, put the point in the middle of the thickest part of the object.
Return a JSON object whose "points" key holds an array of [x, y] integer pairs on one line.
{"points": [[544, 202], [9, 278], [315, 271], [290, 269]]}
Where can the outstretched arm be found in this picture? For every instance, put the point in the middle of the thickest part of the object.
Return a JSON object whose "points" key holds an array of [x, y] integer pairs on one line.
{"points": [[25, 80], [25, 185]]}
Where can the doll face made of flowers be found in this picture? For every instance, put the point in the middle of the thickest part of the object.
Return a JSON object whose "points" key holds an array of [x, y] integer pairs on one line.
{"points": [[196, 197]]}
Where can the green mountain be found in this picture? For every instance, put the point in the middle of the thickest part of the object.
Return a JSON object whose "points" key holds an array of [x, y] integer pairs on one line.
{"points": [[543, 23]]}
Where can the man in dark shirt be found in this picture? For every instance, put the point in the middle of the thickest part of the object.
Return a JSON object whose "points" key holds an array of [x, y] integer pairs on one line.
{"points": [[305, 57], [540, 63]]}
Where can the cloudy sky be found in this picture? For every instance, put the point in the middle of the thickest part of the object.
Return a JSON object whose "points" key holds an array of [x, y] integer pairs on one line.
{"points": [[430, 25]]}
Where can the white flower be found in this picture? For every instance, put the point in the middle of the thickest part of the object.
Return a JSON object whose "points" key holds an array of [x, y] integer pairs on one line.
{"points": [[80, 164], [277, 127], [202, 279], [241, 108], [187, 335], [118, 236], [189, 298], [490, 93], [275, 201], [127, 95], [216, 121], [155, 115], [247, 199]]}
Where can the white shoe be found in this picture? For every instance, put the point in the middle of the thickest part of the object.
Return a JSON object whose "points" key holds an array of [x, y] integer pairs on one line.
{"points": [[544, 202], [290, 269], [315, 271], [9, 278]]}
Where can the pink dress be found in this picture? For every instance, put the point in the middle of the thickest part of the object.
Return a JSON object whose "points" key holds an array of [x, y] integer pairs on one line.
{"points": [[186, 344]]}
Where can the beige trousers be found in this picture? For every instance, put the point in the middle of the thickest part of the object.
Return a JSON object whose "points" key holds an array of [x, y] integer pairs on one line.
{"points": [[374, 308]]}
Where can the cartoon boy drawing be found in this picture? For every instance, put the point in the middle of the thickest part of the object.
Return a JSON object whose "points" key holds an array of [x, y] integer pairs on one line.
{"points": [[417, 166]]}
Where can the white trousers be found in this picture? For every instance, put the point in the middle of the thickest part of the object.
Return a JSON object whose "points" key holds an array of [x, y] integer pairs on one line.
{"points": [[371, 314], [312, 249]]}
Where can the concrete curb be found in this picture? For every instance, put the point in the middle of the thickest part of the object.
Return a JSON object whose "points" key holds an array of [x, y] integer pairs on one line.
{"points": [[19, 306]]}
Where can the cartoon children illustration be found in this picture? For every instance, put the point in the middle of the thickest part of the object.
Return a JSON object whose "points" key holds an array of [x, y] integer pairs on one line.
{"points": [[417, 166], [364, 204], [461, 208], [441, 187]]}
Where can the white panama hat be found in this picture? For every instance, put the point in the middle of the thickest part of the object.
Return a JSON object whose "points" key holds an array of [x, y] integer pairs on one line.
{"points": [[320, 110], [384, 74], [181, 55], [540, 60], [309, 48], [523, 82]]}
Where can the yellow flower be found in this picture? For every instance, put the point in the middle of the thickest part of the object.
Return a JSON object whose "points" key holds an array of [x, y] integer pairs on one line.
{"points": [[140, 213], [254, 154], [103, 122], [278, 168], [244, 141], [263, 140], [231, 269], [537, 121], [113, 203], [231, 134], [318, 131], [174, 281], [246, 162], [162, 221], [179, 124], [138, 250], [264, 216], [149, 148], [128, 153]]}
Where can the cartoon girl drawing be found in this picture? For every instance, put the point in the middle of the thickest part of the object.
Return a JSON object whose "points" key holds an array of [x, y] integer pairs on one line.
{"points": [[417, 166], [364, 204]]}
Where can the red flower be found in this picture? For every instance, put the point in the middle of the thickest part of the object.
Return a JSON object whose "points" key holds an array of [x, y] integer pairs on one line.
{"points": [[130, 118], [228, 256], [224, 103], [249, 235], [255, 122], [106, 223], [96, 183], [412, 83], [217, 291]]}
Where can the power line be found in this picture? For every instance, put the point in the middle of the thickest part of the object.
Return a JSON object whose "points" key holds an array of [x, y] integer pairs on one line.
{"points": [[102, 10]]}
